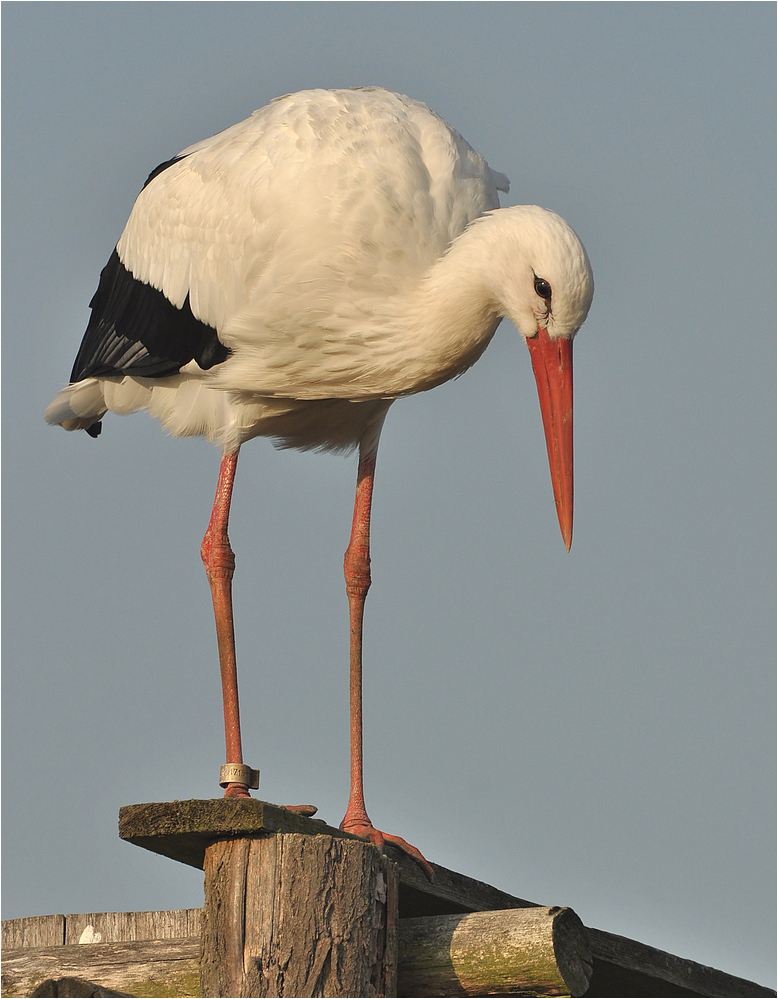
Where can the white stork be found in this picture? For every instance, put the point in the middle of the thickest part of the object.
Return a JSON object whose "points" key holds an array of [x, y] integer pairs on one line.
{"points": [[295, 274]]}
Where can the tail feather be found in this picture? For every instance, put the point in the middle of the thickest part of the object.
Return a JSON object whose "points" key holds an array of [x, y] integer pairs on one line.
{"points": [[126, 395], [183, 404], [77, 406]]}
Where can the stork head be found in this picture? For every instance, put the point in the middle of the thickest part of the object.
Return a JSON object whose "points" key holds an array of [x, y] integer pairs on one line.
{"points": [[548, 300]]}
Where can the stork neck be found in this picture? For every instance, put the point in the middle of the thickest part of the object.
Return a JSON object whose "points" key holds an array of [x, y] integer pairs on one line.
{"points": [[452, 318]]}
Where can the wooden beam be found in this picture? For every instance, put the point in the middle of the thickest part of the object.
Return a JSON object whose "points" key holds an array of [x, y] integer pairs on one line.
{"points": [[620, 962], [138, 968], [515, 952], [181, 830]]}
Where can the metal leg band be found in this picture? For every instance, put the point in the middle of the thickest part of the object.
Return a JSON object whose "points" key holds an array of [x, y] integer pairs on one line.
{"points": [[239, 773]]}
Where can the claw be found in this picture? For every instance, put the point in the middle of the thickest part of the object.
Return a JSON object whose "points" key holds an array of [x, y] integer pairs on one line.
{"points": [[366, 830]]}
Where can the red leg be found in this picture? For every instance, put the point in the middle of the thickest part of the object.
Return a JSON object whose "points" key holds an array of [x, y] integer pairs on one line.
{"points": [[356, 566], [219, 562]]}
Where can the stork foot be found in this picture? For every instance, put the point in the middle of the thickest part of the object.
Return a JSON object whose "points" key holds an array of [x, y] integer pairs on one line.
{"points": [[308, 810], [366, 830]]}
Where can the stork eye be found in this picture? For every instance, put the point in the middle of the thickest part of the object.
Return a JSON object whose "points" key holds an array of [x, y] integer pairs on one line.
{"points": [[543, 288]]}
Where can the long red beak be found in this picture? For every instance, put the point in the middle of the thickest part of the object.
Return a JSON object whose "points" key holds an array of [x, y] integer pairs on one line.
{"points": [[552, 362]]}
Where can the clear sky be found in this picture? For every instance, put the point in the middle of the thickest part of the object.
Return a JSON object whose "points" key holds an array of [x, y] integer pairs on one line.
{"points": [[593, 729]]}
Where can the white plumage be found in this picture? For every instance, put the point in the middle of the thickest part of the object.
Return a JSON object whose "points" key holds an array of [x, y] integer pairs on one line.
{"points": [[324, 239], [291, 277]]}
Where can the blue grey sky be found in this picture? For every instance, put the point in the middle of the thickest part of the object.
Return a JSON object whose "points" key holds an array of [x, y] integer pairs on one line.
{"points": [[593, 729]]}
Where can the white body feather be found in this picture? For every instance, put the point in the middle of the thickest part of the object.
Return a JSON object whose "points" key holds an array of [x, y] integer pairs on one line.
{"points": [[327, 239]]}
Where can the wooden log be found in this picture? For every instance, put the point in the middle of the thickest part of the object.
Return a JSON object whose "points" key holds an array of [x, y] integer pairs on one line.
{"points": [[140, 968], [297, 915], [515, 952]]}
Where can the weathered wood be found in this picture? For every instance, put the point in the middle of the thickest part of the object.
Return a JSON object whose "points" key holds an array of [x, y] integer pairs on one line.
{"points": [[515, 952], [618, 961], [115, 927], [622, 967], [295, 915], [140, 968], [181, 830], [33, 931], [185, 830], [610, 981], [109, 927]]}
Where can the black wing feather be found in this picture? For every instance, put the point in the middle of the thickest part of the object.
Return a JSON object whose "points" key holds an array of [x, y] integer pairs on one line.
{"points": [[134, 329]]}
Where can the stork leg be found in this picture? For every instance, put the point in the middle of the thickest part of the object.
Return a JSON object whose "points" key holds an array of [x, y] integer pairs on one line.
{"points": [[219, 560], [356, 565]]}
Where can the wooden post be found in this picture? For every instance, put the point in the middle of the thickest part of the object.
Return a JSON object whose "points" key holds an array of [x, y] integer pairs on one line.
{"points": [[293, 907], [289, 914]]}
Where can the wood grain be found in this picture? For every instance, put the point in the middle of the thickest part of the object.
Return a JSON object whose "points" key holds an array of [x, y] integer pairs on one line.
{"points": [[116, 927], [140, 968], [33, 931], [296, 915]]}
